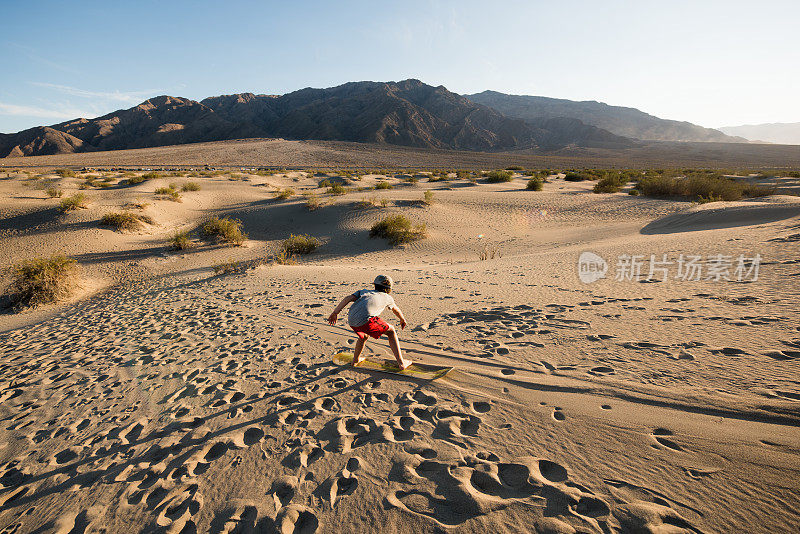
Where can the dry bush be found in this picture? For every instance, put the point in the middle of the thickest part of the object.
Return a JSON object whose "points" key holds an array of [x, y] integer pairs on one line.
{"points": [[427, 198], [336, 189], [65, 173], [609, 184], [398, 229], [226, 267], [313, 202], [300, 244], [42, 280], [372, 202], [190, 186], [76, 201], [283, 258], [224, 229], [384, 185], [489, 253], [52, 192], [125, 220], [283, 194], [181, 241]]}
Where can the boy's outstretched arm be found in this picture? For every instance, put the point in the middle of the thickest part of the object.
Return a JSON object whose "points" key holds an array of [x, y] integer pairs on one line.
{"points": [[345, 301], [399, 313]]}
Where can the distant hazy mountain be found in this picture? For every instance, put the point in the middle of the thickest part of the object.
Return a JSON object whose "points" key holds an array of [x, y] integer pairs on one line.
{"points": [[622, 121], [408, 113], [785, 133]]}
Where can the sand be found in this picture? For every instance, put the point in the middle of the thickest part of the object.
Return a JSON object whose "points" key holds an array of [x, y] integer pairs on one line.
{"points": [[166, 399]]}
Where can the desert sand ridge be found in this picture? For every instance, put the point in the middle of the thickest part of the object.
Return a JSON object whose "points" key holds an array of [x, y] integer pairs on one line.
{"points": [[167, 399]]}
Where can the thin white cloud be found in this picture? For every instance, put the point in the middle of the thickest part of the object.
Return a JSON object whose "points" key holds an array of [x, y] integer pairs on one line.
{"points": [[44, 113], [116, 96]]}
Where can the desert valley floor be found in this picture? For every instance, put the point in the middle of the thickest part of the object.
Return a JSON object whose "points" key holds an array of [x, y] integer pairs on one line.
{"points": [[166, 398]]}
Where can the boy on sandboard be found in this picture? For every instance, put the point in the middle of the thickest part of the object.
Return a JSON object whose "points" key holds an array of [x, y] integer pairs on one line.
{"points": [[364, 318]]}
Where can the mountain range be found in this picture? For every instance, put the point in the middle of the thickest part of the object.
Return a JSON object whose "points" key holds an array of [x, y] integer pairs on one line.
{"points": [[785, 133], [408, 113]]}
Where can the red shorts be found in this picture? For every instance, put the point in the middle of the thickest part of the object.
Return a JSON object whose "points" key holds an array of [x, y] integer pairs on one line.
{"points": [[375, 327]]}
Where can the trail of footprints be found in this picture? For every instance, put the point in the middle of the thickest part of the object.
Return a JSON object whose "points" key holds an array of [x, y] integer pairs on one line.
{"points": [[125, 400]]}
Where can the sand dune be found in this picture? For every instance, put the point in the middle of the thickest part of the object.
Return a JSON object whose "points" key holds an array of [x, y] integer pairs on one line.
{"points": [[179, 401]]}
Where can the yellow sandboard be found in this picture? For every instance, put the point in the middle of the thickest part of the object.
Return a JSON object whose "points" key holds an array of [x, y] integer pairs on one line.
{"points": [[415, 370]]}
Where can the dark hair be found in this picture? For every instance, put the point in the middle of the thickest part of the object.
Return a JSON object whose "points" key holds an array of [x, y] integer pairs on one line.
{"points": [[383, 289]]}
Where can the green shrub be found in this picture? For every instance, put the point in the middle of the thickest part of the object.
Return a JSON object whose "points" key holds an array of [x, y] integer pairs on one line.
{"points": [[609, 184], [169, 193], [133, 180], [384, 185], [536, 183], [701, 186], [190, 186], [300, 244], [42, 280], [427, 198], [181, 241], [397, 229], [576, 177], [76, 201], [65, 173], [224, 229], [283, 194], [515, 168], [125, 220], [337, 189], [496, 177], [52, 192], [152, 175]]}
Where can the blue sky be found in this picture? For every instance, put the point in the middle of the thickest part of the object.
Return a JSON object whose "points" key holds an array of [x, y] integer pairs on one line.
{"points": [[711, 62]]}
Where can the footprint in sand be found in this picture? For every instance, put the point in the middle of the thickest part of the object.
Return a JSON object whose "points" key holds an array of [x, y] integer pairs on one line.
{"points": [[660, 436]]}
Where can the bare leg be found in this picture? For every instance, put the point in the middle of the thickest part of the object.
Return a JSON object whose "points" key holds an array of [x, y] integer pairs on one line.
{"points": [[395, 345], [357, 351]]}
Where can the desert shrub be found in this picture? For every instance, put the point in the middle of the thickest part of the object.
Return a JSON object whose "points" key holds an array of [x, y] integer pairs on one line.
{"points": [[76, 201], [124, 220], [168, 193], [224, 229], [701, 186], [337, 189], [65, 173], [133, 180], [634, 192], [325, 183], [397, 229], [411, 179], [283, 258], [152, 175], [576, 177], [536, 183], [384, 185], [226, 267], [181, 241], [496, 177], [52, 192], [313, 202], [427, 198], [190, 186], [42, 280], [300, 244], [515, 168], [609, 184], [283, 194]]}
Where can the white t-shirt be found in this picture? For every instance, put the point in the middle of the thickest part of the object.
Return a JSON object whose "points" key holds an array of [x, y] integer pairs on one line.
{"points": [[369, 303]]}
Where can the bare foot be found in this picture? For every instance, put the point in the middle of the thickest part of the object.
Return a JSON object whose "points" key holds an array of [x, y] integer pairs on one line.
{"points": [[405, 365], [356, 362]]}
